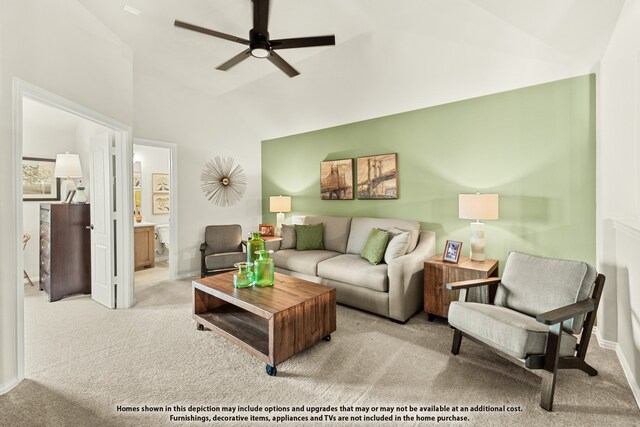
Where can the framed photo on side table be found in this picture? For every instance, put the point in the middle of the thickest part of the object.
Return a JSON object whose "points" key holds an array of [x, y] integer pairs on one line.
{"points": [[452, 251], [267, 230]]}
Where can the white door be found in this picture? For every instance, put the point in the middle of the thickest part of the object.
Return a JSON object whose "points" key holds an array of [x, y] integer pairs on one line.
{"points": [[102, 245]]}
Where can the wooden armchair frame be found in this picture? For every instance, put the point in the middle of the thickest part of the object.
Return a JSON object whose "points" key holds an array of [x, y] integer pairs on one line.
{"points": [[545, 365]]}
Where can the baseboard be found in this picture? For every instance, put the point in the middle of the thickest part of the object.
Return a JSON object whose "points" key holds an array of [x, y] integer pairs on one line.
{"points": [[611, 345], [626, 368], [4, 388]]}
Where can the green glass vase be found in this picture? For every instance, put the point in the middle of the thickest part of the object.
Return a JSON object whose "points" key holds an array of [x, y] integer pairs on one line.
{"points": [[244, 277], [253, 245], [263, 269]]}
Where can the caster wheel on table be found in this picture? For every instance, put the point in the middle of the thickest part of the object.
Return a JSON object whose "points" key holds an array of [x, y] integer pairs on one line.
{"points": [[200, 327], [272, 371], [327, 338]]}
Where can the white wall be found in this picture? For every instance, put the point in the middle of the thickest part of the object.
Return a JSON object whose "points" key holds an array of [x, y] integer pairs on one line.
{"points": [[202, 127], [618, 191], [152, 160], [59, 46]]}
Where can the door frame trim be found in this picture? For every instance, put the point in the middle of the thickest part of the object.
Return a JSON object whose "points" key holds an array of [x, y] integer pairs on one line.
{"points": [[173, 199], [23, 89]]}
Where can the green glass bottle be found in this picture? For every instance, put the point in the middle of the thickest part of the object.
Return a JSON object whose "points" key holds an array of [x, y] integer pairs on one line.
{"points": [[263, 269], [244, 277], [254, 244]]}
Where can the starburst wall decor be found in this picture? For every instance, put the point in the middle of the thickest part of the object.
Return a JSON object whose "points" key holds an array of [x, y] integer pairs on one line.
{"points": [[223, 181]]}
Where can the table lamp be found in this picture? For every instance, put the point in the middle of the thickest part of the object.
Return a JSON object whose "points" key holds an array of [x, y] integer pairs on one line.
{"points": [[67, 166], [279, 204], [479, 207]]}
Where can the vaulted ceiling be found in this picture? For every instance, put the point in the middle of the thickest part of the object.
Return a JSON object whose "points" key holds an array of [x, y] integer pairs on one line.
{"points": [[390, 55]]}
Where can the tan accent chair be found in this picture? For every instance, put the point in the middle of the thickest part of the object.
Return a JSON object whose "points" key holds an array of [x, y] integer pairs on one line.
{"points": [[222, 248], [541, 306]]}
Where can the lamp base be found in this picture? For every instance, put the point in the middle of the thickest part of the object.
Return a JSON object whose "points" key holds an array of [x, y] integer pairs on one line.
{"points": [[476, 241], [66, 187], [279, 222]]}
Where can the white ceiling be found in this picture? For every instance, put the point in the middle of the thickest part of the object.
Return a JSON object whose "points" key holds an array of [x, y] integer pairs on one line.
{"points": [[390, 55]]}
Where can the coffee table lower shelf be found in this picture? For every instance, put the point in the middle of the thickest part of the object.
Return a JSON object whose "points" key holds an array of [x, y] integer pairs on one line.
{"points": [[272, 323], [239, 326]]}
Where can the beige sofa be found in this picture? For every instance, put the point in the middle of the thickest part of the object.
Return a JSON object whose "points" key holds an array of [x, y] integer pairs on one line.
{"points": [[394, 290]]}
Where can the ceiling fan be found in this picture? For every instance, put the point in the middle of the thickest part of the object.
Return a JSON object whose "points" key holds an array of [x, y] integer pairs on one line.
{"points": [[260, 46]]}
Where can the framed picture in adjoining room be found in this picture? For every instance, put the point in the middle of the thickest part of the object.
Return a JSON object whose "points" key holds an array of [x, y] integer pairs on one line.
{"points": [[452, 251], [336, 179], [267, 230], [160, 182], [38, 180], [160, 203], [137, 180], [378, 177]]}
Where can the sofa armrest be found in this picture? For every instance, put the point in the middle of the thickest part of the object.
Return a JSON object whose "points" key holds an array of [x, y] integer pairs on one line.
{"points": [[203, 247], [272, 245], [406, 281]]}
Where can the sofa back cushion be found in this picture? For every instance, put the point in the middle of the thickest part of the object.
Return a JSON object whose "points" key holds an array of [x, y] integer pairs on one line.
{"points": [[533, 285], [336, 231], [361, 227]]}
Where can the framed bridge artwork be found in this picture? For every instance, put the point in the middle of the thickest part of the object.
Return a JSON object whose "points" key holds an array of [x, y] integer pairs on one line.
{"points": [[378, 177], [336, 179]]}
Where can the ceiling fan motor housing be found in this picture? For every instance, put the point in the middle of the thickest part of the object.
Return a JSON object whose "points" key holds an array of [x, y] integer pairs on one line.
{"points": [[259, 43]]}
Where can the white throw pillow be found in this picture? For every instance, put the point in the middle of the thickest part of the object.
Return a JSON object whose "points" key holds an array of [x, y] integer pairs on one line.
{"points": [[397, 246]]}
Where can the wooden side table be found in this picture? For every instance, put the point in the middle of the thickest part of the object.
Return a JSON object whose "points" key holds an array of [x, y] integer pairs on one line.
{"points": [[437, 273]]}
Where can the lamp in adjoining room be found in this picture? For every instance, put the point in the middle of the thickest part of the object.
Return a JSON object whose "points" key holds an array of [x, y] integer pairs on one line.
{"points": [[279, 204], [67, 166], [478, 207]]}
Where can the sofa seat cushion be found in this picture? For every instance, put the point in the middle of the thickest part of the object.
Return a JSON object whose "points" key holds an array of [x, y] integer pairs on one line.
{"points": [[356, 271], [507, 330], [224, 260], [301, 261]]}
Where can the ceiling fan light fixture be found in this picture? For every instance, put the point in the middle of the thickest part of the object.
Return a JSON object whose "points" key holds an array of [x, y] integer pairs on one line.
{"points": [[259, 52]]}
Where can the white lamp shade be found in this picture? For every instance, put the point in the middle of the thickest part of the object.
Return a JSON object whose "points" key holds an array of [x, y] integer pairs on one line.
{"points": [[478, 206], [280, 204], [68, 165]]}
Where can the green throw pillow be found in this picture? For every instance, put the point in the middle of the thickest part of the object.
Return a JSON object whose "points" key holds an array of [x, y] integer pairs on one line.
{"points": [[376, 245], [309, 237]]}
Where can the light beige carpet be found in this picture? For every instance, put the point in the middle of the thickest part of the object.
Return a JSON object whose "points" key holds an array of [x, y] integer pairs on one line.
{"points": [[83, 360]]}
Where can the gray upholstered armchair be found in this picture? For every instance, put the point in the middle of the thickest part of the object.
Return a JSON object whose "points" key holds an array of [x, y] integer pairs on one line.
{"points": [[541, 305], [222, 248]]}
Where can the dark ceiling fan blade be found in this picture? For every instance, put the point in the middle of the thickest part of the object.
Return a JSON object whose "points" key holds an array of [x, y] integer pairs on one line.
{"points": [[303, 42], [210, 32], [235, 60], [282, 64], [261, 15]]}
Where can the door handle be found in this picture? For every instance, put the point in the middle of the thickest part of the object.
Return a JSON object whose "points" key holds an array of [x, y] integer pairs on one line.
{"points": [[89, 227]]}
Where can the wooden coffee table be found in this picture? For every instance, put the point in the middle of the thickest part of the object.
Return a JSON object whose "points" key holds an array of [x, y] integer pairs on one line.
{"points": [[272, 323]]}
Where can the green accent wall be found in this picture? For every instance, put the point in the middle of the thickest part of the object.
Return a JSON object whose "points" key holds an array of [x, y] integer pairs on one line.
{"points": [[533, 146]]}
